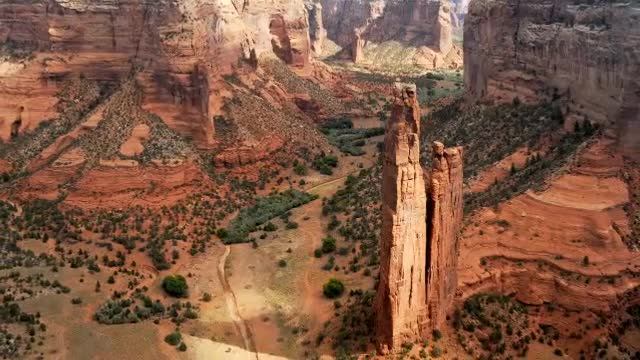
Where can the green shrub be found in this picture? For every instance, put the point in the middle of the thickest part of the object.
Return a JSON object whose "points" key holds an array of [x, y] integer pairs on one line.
{"points": [[269, 227], [173, 339], [282, 263], [328, 244], [175, 285], [300, 169], [333, 288]]}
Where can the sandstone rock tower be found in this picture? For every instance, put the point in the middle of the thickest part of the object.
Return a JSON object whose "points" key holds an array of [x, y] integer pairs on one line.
{"points": [[357, 47], [401, 297], [444, 221], [419, 243]]}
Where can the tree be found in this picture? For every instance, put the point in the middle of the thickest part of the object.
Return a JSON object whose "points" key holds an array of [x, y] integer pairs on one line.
{"points": [[585, 261], [173, 339], [328, 244], [175, 285], [333, 288]]}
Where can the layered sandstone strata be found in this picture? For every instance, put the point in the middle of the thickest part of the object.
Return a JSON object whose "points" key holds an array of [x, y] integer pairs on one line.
{"points": [[419, 243], [401, 301], [177, 49], [422, 25], [585, 52]]}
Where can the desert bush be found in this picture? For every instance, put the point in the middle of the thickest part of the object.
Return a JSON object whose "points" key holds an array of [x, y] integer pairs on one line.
{"points": [[173, 339], [333, 288], [328, 244], [175, 285]]}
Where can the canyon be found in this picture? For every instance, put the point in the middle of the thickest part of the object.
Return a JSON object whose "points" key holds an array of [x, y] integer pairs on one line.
{"points": [[390, 32], [331, 179]]}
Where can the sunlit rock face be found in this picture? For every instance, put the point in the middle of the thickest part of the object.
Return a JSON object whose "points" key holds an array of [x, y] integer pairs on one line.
{"points": [[176, 49], [586, 52], [420, 230]]}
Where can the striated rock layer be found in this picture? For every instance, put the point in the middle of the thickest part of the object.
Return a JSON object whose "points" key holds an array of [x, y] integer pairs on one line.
{"points": [[419, 243], [177, 49], [586, 52]]}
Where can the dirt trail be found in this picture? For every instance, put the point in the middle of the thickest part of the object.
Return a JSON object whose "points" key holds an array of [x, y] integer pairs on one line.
{"points": [[232, 305]]}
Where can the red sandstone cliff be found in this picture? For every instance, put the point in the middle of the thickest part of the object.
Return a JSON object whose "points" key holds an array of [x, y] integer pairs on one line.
{"points": [[585, 52], [176, 48]]}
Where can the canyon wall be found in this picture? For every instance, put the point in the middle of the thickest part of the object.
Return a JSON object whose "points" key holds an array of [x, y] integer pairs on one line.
{"points": [[587, 52], [424, 25], [177, 49], [420, 231]]}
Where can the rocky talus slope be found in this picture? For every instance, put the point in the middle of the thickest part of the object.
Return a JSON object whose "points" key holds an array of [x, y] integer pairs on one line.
{"points": [[586, 52], [419, 236]]}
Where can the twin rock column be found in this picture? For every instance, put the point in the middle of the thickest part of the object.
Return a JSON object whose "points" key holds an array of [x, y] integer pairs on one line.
{"points": [[420, 227]]}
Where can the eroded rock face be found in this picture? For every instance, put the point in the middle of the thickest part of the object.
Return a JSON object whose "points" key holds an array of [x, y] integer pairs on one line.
{"points": [[357, 47], [421, 24], [176, 48], [401, 301], [419, 243], [587, 52], [317, 32], [444, 223]]}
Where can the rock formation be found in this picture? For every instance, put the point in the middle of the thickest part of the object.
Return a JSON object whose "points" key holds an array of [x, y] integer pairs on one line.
{"points": [[177, 49], [422, 25], [585, 52], [317, 33], [444, 223], [419, 243], [357, 47], [401, 301]]}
